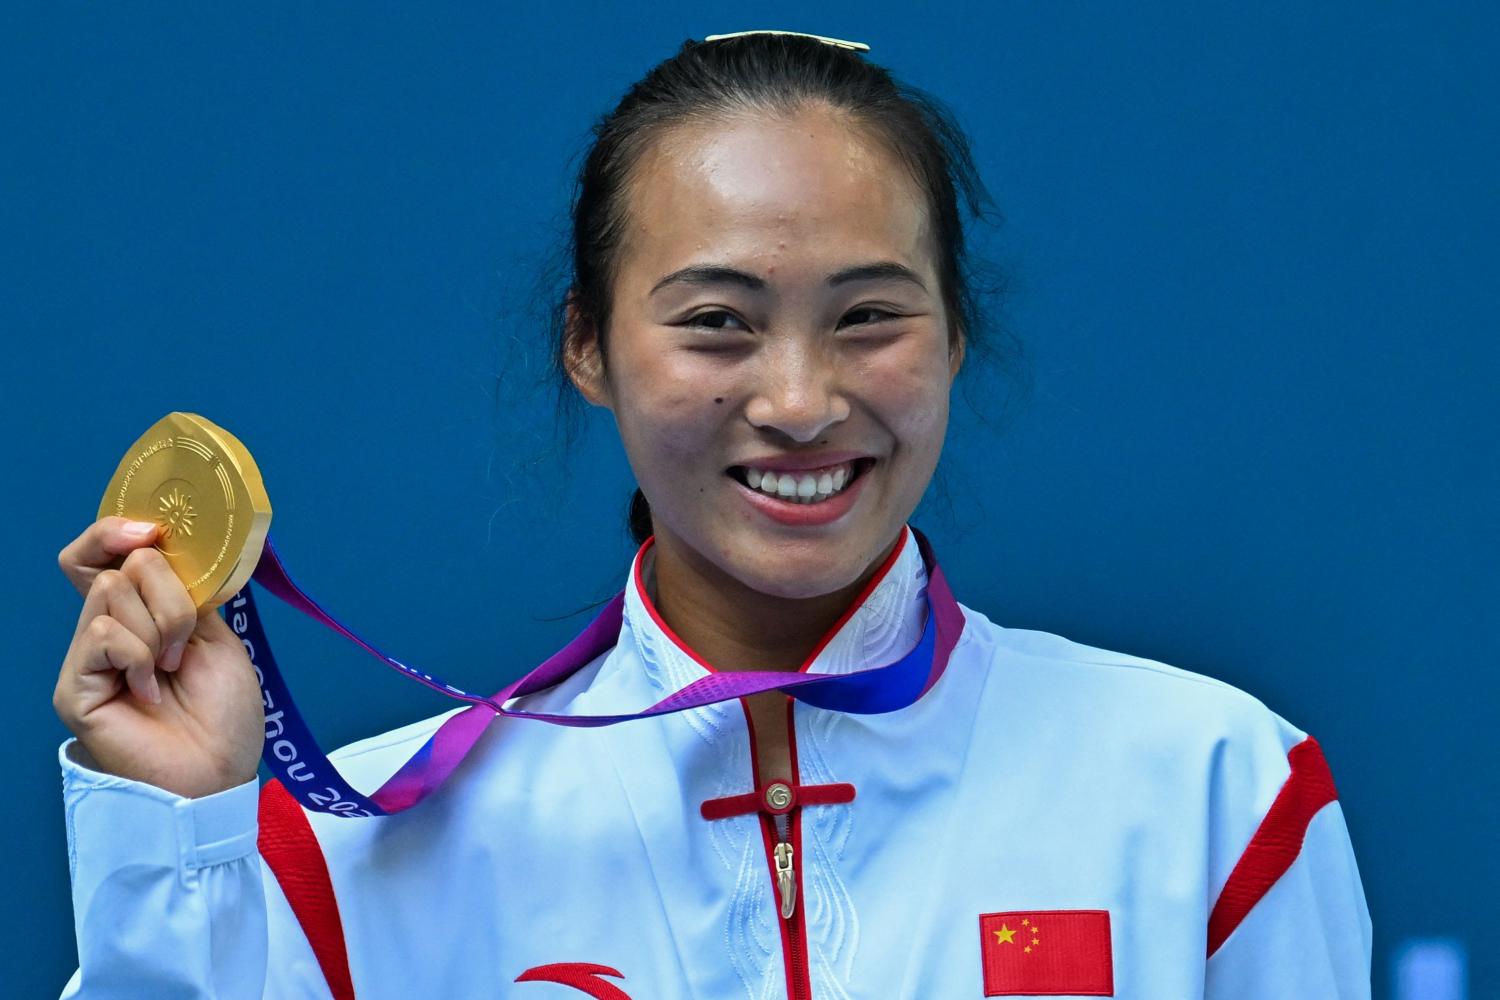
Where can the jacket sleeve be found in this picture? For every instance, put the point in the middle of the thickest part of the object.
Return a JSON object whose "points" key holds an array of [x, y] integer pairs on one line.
{"points": [[1290, 919], [171, 897]]}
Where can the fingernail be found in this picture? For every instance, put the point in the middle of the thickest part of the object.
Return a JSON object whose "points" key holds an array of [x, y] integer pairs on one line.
{"points": [[173, 659], [153, 691], [139, 529]]}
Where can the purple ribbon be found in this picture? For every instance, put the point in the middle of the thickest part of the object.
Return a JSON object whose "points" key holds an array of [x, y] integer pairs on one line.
{"points": [[294, 756]]}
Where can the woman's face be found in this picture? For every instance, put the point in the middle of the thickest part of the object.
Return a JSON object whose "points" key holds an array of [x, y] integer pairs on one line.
{"points": [[776, 314]]}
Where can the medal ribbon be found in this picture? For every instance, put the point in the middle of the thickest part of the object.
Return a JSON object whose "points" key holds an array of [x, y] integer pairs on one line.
{"points": [[293, 755]]}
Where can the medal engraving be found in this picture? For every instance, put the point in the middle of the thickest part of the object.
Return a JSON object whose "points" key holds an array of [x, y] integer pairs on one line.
{"points": [[176, 512], [199, 483]]}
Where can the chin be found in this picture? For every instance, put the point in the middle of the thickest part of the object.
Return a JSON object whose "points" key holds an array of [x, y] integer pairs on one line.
{"points": [[767, 575], [792, 590]]}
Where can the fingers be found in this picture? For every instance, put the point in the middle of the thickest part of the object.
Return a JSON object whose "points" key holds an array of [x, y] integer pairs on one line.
{"points": [[110, 648], [172, 611], [100, 547], [135, 619], [112, 605]]}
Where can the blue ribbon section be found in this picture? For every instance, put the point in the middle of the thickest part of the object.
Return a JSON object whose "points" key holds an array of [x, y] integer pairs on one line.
{"points": [[869, 692], [291, 752]]}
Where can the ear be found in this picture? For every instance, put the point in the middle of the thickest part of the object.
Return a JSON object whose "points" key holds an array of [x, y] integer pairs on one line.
{"points": [[582, 358], [956, 353]]}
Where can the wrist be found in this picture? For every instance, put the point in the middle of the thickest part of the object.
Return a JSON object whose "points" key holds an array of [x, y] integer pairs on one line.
{"points": [[187, 783]]}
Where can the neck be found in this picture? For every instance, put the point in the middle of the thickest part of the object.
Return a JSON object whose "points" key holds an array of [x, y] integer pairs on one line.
{"points": [[735, 627]]}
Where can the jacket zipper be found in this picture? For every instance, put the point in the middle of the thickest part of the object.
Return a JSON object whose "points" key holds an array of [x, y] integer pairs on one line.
{"points": [[780, 832], [786, 872], [787, 881], [789, 877]]}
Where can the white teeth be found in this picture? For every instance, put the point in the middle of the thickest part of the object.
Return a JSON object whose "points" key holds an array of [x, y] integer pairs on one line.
{"points": [[800, 487]]}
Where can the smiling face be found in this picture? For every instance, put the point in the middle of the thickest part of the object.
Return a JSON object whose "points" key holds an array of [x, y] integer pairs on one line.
{"points": [[776, 309]]}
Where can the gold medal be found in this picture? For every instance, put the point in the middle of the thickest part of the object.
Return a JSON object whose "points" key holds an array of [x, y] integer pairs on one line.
{"points": [[200, 485]]}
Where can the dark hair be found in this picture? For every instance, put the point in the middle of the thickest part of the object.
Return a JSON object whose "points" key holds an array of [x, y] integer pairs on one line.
{"points": [[709, 81]]}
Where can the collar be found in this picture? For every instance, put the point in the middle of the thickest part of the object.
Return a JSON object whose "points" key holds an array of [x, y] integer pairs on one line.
{"points": [[881, 624]]}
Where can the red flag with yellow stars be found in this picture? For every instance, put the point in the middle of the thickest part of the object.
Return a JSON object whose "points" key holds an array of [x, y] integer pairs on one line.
{"points": [[1026, 952]]}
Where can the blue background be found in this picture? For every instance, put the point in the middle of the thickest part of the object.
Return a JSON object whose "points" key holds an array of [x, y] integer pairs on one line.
{"points": [[1253, 254]]}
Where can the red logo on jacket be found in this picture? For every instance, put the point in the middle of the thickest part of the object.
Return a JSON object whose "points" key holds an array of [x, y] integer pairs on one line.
{"points": [[582, 976]]}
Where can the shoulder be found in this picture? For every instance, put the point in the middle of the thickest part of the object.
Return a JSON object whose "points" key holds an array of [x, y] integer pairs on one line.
{"points": [[1130, 703], [367, 763], [1177, 738], [1128, 682]]}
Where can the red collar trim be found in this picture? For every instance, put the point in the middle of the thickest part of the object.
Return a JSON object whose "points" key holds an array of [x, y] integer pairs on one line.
{"points": [[855, 605]]}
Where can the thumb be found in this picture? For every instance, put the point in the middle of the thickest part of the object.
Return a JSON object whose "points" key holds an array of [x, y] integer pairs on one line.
{"points": [[101, 546], [212, 628]]}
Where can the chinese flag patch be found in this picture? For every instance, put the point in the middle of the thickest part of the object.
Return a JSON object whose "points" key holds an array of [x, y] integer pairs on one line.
{"points": [[1047, 952]]}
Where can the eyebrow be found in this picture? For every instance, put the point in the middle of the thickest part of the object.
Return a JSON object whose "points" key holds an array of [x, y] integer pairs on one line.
{"points": [[715, 274]]}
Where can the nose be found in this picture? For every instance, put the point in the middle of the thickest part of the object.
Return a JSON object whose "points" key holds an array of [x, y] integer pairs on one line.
{"points": [[799, 392]]}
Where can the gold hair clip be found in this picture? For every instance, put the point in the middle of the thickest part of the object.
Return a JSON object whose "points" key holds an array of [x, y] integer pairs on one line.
{"points": [[841, 43]]}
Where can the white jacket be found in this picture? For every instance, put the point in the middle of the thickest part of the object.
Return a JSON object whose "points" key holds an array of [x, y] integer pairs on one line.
{"points": [[1080, 790]]}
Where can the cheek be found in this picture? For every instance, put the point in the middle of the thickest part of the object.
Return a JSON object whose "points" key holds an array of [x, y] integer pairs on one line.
{"points": [[676, 414], [910, 395]]}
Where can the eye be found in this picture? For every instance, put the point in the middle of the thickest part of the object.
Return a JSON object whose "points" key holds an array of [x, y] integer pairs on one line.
{"points": [[879, 314], [699, 322]]}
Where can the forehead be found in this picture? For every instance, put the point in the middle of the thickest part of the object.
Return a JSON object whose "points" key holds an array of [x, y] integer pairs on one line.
{"points": [[809, 185]]}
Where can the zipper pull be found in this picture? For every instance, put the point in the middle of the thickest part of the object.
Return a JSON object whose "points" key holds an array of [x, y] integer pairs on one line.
{"points": [[786, 879]]}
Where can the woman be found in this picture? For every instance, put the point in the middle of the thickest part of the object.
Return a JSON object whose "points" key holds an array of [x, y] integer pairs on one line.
{"points": [[769, 296]]}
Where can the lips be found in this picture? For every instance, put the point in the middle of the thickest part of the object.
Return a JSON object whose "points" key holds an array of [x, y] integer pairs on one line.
{"points": [[798, 510]]}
